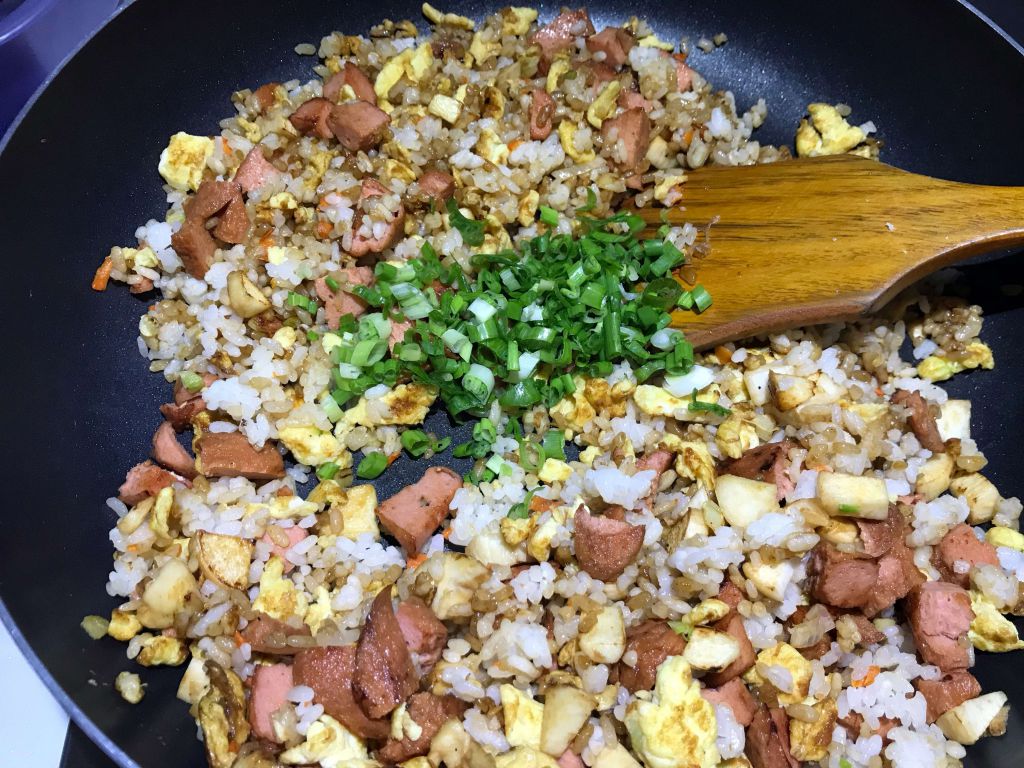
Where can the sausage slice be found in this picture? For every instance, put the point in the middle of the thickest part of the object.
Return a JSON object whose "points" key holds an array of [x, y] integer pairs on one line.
{"points": [[920, 419], [604, 547], [169, 452], [230, 454], [414, 513], [269, 692], [429, 712], [958, 552], [940, 615], [358, 125], [384, 673], [146, 479], [653, 641], [329, 672]]}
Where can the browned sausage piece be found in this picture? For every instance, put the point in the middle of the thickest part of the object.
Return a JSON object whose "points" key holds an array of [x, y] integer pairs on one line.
{"points": [[424, 633], [614, 42], [684, 76], [230, 454], [950, 690], [141, 285], [437, 185], [169, 452], [341, 303], [733, 625], [731, 595], [234, 222], [254, 171], [358, 125], [194, 246], [853, 721], [180, 416], [269, 692], [880, 536], [415, 512], [659, 461], [384, 674], [768, 462], [210, 198], [654, 641], [146, 479], [265, 96], [735, 696], [604, 547], [961, 546], [869, 633], [353, 77], [311, 117], [560, 33], [395, 229], [429, 712], [897, 575], [940, 615], [768, 740], [840, 578], [630, 99], [627, 138], [542, 112], [598, 73], [329, 672], [268, 635], [920, 418]]}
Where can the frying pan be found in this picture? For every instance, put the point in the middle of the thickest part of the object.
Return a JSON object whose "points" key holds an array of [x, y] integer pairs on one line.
{"points": [[78, 174]]}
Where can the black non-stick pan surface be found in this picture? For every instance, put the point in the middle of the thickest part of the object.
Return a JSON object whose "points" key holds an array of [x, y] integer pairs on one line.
{"points": [[78, 174]]}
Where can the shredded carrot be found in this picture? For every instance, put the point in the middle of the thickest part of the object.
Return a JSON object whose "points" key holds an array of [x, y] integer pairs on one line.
{"points": [[878, 391], [232, 745], [133, 547], [414, 561], [224, 144], [102, 276], [239, 640], [868, 678], [679, 57], [323, 228], [540, 504], [446, 533], [393, 457], [267, 240], [723, 355], [513, 144]]}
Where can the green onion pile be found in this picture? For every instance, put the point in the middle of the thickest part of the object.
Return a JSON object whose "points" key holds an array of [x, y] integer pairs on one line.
{"points": [[525, 324]]}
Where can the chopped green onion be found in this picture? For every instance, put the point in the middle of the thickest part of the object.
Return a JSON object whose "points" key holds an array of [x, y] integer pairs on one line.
{"points": [[327, 471], [554, 444], [482, 309], [312, 336], [302, 302], [191, 381], [681, 628], [472, 231], [496, 464], [715, 408], [848, 509], [661, 293], [549, 216], [591, 201], [479, 382], [457, 343], [521, 510], [332, 283], [685, 300], [701, 298], [531, 455], [372, 465]]}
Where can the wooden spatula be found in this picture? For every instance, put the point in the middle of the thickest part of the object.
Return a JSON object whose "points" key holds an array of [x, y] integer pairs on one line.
{"points": [[811, 241]]}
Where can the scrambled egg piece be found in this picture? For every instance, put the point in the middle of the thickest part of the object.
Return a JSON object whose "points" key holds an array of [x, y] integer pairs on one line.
{"points": [[313, 446], [320, 611], [604, 104], [224, 559], [359, 511], [491, 148], [528, 207], [567, 136], [590, 454], [434, 16], [525, 757], [605, 641], [129, 685], [810, 741], [826, 133], [574, 411], [402, 725], [517, 20], [997, 536], [283, 201], [693, 459], [412, 63], [515, 532], [653, 41], [936, 368], [123, 626], [416, 762], [991, 631], [457, 578], [183, 160], [482, 47], [539, 544], [329, 744], [554, 471], [655, 401], [445, 107], [490, 548], [523, 717], [611, 399], [158, 650], [786, 656], [405, 404], [283, 507], [677, 729], [278, 597], [735, 436]]}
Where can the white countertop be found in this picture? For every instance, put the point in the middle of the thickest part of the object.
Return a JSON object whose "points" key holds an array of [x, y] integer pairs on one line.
{"points": [[32, 724]]}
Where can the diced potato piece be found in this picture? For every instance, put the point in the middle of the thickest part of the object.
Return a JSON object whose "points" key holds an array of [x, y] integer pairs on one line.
{"points": [[842, 494], [812, 513], [490, 548], [771, 579], [167, 592], [708, 649], [605, 642], [954, 419], [979, 493], [997, 536], [967, 722], [525, 757], [328, 743], [195, 682], [615, 756], [453, 746], [934, 476], [245, 297], [523, 717], [789, 391], [743, 501], [756, 382], [566, 710], [224, 559]]}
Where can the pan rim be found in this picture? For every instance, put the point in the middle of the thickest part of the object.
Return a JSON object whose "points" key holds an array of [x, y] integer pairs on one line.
{"points": [[75, 713]]}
